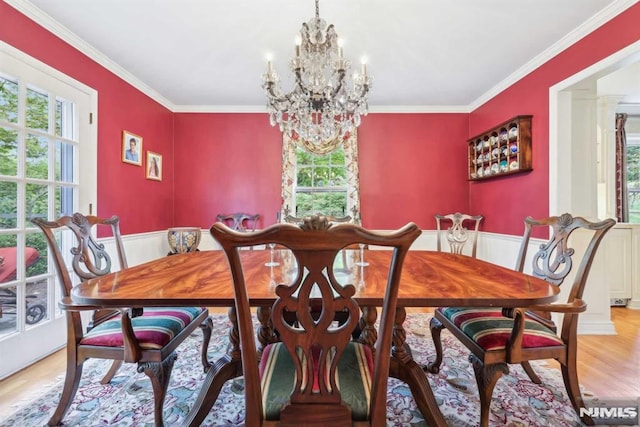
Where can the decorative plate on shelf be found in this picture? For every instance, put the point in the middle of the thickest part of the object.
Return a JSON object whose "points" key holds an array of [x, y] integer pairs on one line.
{"points": [[513, 148], [503, 166], [495, 169], [513, 166], [513, 132]]}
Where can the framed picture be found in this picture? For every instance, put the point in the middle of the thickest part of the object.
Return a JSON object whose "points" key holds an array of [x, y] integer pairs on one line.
{"points": [[131, 148], [154, 166]]}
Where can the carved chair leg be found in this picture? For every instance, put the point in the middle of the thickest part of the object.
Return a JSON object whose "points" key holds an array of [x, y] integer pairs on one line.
{"points": [[71, 382], [436, 328], [207, 328], [486, 378], [159, 373], [531, 373], [111, 372], [572, 385]]}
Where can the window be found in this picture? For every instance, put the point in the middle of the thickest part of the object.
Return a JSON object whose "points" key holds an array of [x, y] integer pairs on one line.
{"points": [[633, 177], [324, 183], [48, 152], [627, 168], [321, 183]]}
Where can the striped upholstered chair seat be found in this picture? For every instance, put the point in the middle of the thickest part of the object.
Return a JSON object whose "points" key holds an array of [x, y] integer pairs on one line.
{"points": [[496, 341], [147, 336], [353, 376], [491, 330], [153, 330]]}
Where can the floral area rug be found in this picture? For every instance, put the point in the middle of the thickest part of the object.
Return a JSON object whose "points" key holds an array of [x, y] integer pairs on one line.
{"points": [[128, 399]]}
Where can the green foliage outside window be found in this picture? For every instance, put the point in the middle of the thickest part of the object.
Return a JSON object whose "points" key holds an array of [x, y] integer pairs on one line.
{"points": [[36, 167], [633, 182], [321, 183]]}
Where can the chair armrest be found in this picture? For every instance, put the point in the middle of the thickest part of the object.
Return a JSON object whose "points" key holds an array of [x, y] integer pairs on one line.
{"points": [[519, 315], [576, 306], [67, 304], [514, 343], [132, 350]]}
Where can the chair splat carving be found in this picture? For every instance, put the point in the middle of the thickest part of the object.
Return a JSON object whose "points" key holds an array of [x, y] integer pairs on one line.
{"points": [[240, 221], [531, 335], [316, 358], [457, 235]]}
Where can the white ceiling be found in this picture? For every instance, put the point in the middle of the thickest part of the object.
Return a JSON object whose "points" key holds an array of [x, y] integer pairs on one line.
{"points": [[444, 55]]}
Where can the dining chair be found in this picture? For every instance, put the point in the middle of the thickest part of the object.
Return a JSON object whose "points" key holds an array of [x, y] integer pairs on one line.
{"points": [[146, 336], [497, 337], [240, 221], [457, 235], [316, 375]]}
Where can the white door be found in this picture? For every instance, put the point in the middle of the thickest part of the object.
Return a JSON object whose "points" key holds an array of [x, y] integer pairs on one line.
{"points": [[47, 169]]}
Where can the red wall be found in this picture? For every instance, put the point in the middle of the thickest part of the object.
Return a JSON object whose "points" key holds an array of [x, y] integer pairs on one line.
{"points": [[412, 166], [233, 162], [505, 202], [226, 163], [142, 205]]}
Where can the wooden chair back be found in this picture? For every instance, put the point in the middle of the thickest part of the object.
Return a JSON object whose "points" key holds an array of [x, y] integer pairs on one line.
{"points": [[239, 221], [314, 244], [553, 261], [457, 235], [89, 258]]}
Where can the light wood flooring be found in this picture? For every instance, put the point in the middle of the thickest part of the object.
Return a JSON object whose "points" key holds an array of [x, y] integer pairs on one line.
{"points": [[608, 366]]}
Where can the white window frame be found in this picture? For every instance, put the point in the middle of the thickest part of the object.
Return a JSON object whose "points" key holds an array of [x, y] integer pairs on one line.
{"points": [[46, 337]]}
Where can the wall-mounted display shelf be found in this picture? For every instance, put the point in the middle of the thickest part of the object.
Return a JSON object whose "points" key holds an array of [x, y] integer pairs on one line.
{"points": [[502, 150]]}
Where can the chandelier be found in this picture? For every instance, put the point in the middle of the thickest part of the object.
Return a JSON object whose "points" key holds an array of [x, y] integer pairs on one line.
{"points": [[323, 106]]}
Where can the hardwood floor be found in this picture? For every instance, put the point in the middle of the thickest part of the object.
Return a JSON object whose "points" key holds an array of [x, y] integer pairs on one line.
{"points": [[608, 366]]}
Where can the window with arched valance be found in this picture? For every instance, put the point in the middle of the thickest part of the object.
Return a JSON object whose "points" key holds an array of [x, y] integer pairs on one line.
{"points": [[320, 180]]}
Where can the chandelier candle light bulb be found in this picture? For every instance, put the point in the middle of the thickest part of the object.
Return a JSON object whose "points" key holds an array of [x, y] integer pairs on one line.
{"points": [[325, 105]]}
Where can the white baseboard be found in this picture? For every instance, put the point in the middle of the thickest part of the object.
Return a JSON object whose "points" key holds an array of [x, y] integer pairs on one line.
{"points": [[634, 304], [596, 328]]}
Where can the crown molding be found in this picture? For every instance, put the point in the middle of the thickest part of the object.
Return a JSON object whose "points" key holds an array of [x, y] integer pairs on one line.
{"points": [[57, 29], [219, 109], [605, 15], [419, 109], [395, 109]]}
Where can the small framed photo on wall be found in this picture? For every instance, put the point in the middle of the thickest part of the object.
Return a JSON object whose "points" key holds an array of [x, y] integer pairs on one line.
{"points": [[154, 166], [131, 148]]}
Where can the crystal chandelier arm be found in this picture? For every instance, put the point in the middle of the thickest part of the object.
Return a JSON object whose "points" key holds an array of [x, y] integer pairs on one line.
{"points": [[281, 103], [356, 98]]}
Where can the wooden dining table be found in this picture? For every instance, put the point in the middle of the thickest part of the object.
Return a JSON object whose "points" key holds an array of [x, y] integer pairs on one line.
{"points": [[429, 279]]}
